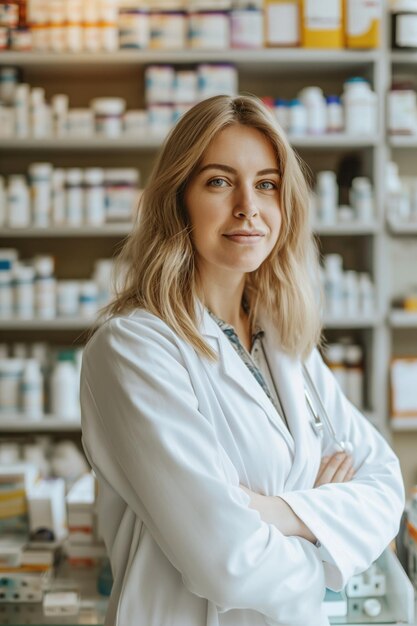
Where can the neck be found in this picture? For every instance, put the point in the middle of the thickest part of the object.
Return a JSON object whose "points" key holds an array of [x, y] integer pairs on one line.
{"points": [[224, 298]]}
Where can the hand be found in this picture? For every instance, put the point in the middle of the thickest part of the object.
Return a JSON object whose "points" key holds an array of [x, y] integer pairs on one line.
{"points": [[337, 468]]}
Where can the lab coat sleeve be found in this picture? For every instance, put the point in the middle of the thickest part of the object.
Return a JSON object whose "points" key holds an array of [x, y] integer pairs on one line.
{"points": [[163, 457], [356, 520]]}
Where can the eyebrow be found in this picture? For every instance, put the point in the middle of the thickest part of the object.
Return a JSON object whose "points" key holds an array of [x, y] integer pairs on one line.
{"points": [[231, 170]]}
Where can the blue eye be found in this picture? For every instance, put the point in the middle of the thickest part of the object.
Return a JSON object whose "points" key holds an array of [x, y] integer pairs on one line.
{"points": [[216, 182], [267, 185]]}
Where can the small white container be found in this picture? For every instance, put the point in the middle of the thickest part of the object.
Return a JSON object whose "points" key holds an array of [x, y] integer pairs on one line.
{"points": [[327, 197], [168, 30], [209, 30], [186, 87], [351, 294], [94, 196], [333, 286], [402, 112], [108, 114], [247, 25], [281, 111], [45, 287], [65, 390], [360, 107], [135, 122], [74, 28], [297, 118], [134, 28], [67, 292], [334, 115], [215, 78], [9, 78], [60, 103], [6, 289], [80, 123], [159, 84], [88, 299], [38, 115], [362, 199], [104, 279], [24, 291], [315, 104], [74, 195], [18, 202], [161, 118], [58, 213], [31, 390], [40, 176], [10, 377], [121, 186], [366, 295], [21, 105]]}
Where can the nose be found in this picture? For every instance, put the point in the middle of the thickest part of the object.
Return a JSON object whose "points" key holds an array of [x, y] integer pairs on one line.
{"points": [[245, 205]]}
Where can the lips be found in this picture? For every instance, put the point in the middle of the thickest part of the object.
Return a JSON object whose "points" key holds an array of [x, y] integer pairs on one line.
{"points": [[245, 233]]}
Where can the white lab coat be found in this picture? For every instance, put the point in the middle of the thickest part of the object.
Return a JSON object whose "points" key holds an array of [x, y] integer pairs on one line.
{"points": [[171, 435]]}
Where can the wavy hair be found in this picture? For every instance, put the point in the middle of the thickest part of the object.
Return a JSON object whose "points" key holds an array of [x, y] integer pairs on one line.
{"points": [[158, 259]]}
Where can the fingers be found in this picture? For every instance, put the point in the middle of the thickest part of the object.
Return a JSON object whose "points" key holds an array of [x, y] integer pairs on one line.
{"points": [[335, 469]]}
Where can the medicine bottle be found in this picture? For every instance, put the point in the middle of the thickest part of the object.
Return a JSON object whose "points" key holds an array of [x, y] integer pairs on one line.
{"points": [[58, 213], [64, 388], [335, 359], [74, 28], [21, 107], [8, 82], [366, 295], [31, 390], [334, 110], [159, 84], [108, 114], [67, 297], [88, 301], [74, 196], [10, 377], [167, 28], [59, 105], [209, 28], [18, 202], [24, 291], [282, 113], [121, 186], [282, 23], [45, 287], [333, 284], [315, 104], [351, 294], [38, 117], [6, 289], [297, 123], [94, 196], [327, 197], [40, 176], [404, 24], [354, 375], [362, 199], [247, 24], [134, 26], [360, 105], [402, 108]]}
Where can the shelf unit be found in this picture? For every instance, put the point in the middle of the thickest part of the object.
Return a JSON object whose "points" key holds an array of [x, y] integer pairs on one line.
{"points": [[299, 67]]}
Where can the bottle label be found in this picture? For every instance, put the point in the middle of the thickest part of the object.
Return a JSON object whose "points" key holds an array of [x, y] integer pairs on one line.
{"points": [[406, 35]]}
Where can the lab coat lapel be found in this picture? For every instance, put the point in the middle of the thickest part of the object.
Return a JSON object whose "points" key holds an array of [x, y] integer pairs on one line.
{"points": [[288, 377], [235, 369]]}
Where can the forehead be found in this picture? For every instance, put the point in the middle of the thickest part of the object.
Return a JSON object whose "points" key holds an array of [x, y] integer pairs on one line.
{"points": [[241, 144]]}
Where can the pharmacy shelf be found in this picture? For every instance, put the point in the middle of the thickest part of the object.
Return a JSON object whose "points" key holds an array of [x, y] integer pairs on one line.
{"points": [[403, 319], [404, 58], [403, 423], [403, 141], [346, 229], [261, 59], [48, 423], [71, 323], [153, 142], [351, 322], [402, 228], [106, 230], [142, 142]]}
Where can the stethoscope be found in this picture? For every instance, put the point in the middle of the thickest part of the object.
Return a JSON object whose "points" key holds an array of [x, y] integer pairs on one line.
{"points": [[320, 417]]}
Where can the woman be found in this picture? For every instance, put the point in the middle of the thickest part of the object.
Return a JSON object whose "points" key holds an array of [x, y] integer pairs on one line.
{"points": [[219, 504]]}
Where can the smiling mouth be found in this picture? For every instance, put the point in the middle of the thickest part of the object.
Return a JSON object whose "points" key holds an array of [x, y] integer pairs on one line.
{"points": [[247, 238]]}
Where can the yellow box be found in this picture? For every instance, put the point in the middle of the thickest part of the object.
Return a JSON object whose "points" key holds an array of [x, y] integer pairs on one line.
{"points": [[363, 20], [322, 24], [282, 23]]}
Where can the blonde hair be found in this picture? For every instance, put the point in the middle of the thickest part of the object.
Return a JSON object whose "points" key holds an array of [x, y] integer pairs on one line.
{"points": [[158, 256]]}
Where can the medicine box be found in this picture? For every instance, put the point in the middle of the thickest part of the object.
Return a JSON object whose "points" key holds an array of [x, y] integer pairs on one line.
{"points": [[363, 20], [322, 24]]}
